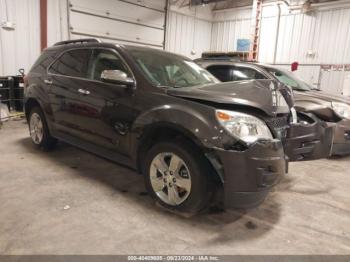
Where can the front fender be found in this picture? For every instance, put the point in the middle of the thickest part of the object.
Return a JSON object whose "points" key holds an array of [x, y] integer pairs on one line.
{"points": [[198, 123]]}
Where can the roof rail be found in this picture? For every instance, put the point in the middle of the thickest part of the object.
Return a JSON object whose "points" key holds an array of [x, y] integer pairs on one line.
{"points": [[238, 56], [78, 41]]}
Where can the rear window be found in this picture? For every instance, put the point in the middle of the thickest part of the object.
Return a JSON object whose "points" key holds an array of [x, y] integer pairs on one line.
{"points": [[226, 73], [72, 63], [44, 61], [245, 73], [221, 72]]}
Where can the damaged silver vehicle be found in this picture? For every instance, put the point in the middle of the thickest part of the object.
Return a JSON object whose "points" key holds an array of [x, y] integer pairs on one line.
{"points": [[311, 104]]}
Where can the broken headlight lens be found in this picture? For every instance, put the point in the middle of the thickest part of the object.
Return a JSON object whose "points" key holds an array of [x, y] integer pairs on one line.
{"points": [[246, 127], [341, 109]]}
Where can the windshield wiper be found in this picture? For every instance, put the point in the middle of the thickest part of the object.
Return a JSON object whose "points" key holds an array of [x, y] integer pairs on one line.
{"points": [[299, 89], [167, 87]]}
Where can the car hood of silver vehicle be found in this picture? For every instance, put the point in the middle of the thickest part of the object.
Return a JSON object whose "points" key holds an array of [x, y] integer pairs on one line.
{"points": [[260, 94], [320, 97]]}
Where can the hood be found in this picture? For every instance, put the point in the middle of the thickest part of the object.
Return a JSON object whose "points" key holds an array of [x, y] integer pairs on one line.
{"points": [[319, 103], [260, 94], [320, 97]]}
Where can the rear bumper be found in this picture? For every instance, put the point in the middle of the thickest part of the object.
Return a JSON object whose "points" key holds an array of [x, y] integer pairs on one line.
{"points": [[341, 143], [248, 176]]}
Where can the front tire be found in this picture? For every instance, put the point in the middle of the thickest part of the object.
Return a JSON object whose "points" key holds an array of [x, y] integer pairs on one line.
{"points": [[176, 176], [39, 131]]}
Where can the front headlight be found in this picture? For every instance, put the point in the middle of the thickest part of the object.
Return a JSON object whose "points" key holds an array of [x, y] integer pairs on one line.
{"points": [[246, 127], [341, 109]]}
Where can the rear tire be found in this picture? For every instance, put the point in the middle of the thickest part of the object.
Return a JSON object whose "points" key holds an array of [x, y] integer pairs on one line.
{"points": [[39, 131], [177, 176]]}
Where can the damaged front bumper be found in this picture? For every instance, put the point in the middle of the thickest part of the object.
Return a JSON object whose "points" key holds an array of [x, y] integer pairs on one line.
{"points": [[309, 141], [341, 143], [249, 175]]}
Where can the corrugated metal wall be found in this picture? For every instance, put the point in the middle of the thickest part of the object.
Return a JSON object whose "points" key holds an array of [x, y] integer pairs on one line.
{"points": [[228, 27], [19, 48], [57, 22], [319, 37], [327, 32], [188, 31]]}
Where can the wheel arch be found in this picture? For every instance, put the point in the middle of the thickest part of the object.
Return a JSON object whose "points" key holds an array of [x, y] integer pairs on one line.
{"points": [[164, 131], [29, 105]]}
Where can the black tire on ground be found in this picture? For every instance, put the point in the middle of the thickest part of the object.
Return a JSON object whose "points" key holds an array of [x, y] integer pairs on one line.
{"points": [[198, 167], [47, 142]]}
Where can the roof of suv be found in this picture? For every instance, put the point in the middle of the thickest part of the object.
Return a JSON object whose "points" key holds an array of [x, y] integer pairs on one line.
{"points": [[92, 42]]}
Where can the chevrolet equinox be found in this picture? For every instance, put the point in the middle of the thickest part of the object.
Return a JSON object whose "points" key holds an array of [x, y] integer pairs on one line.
{"points": [[164, 116]]}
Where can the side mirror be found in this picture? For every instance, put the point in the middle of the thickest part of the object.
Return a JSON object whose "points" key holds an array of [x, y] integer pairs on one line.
{"points": [[117, 77]]}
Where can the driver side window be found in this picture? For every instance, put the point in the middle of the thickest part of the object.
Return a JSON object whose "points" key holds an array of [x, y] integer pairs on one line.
{"points": [[246, 73], [105, 60]]}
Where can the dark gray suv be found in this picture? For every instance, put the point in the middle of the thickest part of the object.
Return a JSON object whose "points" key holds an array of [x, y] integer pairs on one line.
{"points": [[163, 115]]}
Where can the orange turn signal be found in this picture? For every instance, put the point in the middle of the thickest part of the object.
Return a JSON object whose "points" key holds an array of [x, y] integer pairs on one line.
{"points": [[222, 116]]}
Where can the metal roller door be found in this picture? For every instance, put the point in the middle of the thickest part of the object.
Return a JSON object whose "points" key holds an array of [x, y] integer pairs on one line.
{"points": [[139, 22]]}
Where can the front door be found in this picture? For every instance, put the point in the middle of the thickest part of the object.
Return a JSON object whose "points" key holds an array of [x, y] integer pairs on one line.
{"points": [[108, 106]]}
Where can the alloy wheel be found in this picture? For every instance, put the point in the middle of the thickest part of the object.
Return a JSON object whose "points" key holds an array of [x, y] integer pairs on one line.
{"points": [[36, 128], [170, 178]]}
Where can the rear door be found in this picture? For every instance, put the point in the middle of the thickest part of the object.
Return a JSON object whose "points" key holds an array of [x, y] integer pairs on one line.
{"points": [[66, 76]]}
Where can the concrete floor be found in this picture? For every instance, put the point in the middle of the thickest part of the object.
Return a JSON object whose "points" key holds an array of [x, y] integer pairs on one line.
{"points": [[308, 213]]}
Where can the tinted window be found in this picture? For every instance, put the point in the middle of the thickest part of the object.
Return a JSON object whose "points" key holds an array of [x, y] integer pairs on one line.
{"points": [[245, 73], [221, 72], [44, 61], [72, 63], [105, 60]]}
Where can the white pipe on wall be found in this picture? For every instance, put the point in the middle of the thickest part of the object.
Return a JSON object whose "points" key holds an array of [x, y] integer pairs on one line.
{"points": [[277, 32]]}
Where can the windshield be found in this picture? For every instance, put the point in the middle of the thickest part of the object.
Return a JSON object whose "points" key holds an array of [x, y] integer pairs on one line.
{"points": [[168, 70], [289, 79]]}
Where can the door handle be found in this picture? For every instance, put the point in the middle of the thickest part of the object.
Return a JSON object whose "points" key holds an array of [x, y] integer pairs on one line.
{"points": [[84, 91], [48, 82]]}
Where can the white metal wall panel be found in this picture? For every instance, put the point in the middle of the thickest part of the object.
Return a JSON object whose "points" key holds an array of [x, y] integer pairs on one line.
{"points": [[119, 20], [319, 37], [57, 21], [326, 33], [267, 39], [226, 34], [19, 48], [332, 36], [332, 81], [186, 34], [228, 27]]}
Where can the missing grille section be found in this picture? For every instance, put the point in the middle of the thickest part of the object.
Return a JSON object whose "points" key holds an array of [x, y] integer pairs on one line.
{"points": [[305, 119], [278, 126]]}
